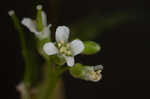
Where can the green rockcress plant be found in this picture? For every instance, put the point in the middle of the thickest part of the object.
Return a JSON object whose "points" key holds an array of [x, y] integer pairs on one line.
{"points": [[56, 54]]}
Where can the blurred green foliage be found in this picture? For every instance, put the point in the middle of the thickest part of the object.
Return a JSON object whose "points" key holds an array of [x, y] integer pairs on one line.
{"points": [[93, 26]]}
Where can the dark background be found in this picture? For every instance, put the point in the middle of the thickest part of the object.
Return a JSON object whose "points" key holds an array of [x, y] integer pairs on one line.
{"points": [[127, 49]]}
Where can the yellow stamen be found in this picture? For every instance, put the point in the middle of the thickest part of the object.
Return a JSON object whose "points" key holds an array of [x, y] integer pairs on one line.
{"points": [[62, 50], [62, 41], [59, 45], [99, 71], [68, 45], [68, 52]]}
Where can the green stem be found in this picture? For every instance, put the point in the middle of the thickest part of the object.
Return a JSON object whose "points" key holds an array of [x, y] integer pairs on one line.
{"points": [[39, 18], [56, 78], [25, 52], [51, 88], [52, 79], [52, 76], [45, 85]]}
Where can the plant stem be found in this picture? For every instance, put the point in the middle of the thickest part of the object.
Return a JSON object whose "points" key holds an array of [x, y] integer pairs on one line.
{"points": [[25, 53], [39, 18]]}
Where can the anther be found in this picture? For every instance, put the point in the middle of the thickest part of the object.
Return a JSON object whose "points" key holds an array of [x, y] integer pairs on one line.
{"points": [[59, 45], [62, 42], [68, 52], [68, 45], [62, 50]]}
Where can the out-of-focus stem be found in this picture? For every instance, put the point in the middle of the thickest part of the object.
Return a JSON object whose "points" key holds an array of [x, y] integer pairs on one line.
{"points": [[27, 79], [53, 9]]}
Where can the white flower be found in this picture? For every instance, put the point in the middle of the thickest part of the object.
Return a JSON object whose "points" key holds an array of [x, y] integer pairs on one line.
{"points": [[63, 47], [32, 25], [92, 73], [23, 90]]}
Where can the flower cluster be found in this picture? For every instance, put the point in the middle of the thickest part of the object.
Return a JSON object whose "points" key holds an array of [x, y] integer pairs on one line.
{"points": [[62, 47]]}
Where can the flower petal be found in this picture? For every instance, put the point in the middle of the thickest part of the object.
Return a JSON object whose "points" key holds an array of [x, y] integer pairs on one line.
{"points": [[21, 88], [62, 33], [44, 19], [50, 49], [45, 33], [29, 24], [77, 47], [69, 60]]}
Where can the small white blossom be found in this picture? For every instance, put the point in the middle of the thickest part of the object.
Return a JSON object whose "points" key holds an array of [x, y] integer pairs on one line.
{"points": [[63, 47], [32, 25], [92, 73], [21, 88]]}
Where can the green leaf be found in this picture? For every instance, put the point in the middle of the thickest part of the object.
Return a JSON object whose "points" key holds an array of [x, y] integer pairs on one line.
{"points": [[91, 47]]}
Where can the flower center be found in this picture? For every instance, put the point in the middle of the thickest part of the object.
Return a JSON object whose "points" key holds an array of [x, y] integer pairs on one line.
{"points": [[95, 75], [64, 48]]}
